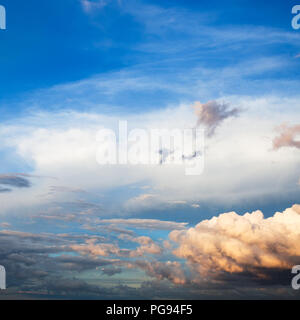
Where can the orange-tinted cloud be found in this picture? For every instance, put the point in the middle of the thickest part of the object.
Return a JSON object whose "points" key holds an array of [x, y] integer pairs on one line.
{"points": [[92, 248], [232, 243]]}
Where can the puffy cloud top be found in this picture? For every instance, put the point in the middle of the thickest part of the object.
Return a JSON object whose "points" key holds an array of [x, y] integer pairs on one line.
{"points": [[234, 243]]}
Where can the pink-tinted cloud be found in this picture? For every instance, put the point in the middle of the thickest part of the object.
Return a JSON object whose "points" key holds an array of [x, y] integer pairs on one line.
{"points": [[90, 247], [287, 137]]}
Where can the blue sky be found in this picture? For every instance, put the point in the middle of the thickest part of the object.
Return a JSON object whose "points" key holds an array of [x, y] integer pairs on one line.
{"points": [[69, 68], [57, 42]]}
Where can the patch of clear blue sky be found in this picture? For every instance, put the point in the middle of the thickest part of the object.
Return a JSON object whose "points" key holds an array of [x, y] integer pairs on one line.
{"points": [[51, 42], [55, 42]]}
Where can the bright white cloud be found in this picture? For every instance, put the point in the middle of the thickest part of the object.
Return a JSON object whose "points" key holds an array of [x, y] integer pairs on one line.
{"points": [[239, 161]]}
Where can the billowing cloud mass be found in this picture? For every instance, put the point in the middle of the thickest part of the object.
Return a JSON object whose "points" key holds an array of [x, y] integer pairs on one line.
{"points": [[234, 244], [212, 114], [287, 137]]}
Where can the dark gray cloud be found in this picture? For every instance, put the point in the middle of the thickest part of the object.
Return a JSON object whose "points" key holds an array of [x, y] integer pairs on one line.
{"points": [[46, 263], [13, 180], [79, 263], [111, 271], [3, 190]]}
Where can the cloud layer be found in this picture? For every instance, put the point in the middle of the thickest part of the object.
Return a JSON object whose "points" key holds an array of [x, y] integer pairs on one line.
{"points": [[64, 146], [222, 256]]}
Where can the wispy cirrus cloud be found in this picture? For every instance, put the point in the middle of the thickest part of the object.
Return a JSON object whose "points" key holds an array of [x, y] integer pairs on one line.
{"points": [[145, 223], [92, 5]]}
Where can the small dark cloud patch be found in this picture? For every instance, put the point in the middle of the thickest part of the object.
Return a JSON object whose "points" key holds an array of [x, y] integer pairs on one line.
{"points": [[212, 114], [13, 180], [111, 271], [3, 190]]}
